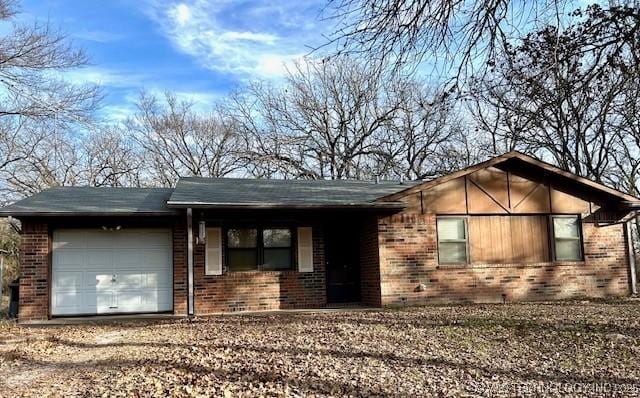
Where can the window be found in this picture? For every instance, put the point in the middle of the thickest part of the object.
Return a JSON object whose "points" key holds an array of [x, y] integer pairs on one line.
{"points": [[452, 240], [566, 236], [276, 249], [242, 249], [250, 249]]}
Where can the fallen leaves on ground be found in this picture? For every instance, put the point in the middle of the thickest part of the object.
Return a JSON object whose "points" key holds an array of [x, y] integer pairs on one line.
{"points": [[574, 348]]}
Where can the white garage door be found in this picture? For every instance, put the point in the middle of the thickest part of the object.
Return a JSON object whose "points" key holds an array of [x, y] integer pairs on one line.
{"points": [[103, 272]]}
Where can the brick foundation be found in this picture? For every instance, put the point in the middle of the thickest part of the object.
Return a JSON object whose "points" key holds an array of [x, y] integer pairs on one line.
{"points": [[34, 272], [260, 290], [408, 259]]}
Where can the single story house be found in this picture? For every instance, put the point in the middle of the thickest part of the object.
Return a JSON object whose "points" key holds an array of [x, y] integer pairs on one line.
{"points": [[511, 228]]}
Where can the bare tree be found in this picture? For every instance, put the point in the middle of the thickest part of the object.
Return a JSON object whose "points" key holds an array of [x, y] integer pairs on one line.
{"points": [[54, 161], [556, 94], [177, 141], [32, 58], [460, 36], [426, 126], [338, 119], [328, 121], [38, 108], [111, 158]]}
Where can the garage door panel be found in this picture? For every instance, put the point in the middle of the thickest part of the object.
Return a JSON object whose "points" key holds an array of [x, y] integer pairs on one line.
{"points": [[130, 300], [129, 280], [131, 239], [69, 239], [99, 257], [100, 272], [143, 258], [148, 301], [67, 303], [68, 280], [143, 280], [157, 279], [98, 281], [66, 258], [98, 302], [99, 239], [156, 257]]}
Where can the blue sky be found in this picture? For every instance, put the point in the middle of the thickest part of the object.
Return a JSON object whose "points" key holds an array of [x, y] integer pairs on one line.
{"points": [[199, 49]]}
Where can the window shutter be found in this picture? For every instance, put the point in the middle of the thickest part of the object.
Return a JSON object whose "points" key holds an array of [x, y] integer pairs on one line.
{"points": [[305, 249], [213, 253]]}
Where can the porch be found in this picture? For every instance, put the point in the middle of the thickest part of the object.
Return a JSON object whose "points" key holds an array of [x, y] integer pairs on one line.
{"points": [[260, 263]]}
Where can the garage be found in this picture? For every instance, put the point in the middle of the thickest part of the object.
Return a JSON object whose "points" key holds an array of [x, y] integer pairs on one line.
{"points": [[112, 271]]}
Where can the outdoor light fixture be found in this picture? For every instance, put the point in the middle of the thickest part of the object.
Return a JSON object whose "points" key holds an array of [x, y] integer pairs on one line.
{"points": [[201, 232], [116, 228]]}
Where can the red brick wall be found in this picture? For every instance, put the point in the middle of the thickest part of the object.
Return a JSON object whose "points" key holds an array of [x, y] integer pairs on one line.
{"points": [[369, 264], [180, 293], [260, 290], [408, 259], [34, 272]]}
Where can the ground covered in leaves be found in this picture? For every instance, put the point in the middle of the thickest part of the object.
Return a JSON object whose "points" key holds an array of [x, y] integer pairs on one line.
{"points": [[577, 348]]}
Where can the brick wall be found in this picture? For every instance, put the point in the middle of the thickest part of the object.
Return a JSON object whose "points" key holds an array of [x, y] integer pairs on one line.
{"points": [[408, 259], [369, 264], [180, 294], [34, 272], [260, 290]]}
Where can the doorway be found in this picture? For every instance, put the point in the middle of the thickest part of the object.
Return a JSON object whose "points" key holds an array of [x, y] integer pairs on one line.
{"points": [[343, 268]]}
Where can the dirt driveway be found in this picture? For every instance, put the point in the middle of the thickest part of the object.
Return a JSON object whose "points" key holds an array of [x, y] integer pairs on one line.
{"points": [[578, 348]]}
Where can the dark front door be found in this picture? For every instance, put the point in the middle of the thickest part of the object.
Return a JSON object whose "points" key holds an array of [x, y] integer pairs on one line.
{"points": [[343, 271]]}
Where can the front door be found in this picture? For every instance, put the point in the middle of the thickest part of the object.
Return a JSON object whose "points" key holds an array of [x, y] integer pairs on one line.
{"points": [[343, 271]]}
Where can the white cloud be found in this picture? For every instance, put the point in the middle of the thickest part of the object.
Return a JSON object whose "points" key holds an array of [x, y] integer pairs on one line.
{"points": [[249, 39], [98, 36], [104, 77], [181, 14]]}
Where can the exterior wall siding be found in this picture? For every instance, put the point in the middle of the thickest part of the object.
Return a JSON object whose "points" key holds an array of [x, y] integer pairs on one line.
{"points": [[410, 274], [34, 272], [260, 290]]}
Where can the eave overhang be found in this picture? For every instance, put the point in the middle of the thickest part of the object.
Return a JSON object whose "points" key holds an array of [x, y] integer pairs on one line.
{"points": [[294, 206]]}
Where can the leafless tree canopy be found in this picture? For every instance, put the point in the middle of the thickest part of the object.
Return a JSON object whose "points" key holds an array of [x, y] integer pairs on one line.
{"points": [[338, 120], [176, 141], [565, 96], [38, 107], [461, 37]]}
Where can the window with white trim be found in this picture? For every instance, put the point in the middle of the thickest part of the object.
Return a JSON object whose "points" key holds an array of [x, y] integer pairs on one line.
{"points": [[566, 238], [452, 240]]}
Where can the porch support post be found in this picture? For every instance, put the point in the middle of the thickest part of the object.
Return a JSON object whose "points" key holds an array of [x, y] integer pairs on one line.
{"points": [[190, 309], [632, 258]]}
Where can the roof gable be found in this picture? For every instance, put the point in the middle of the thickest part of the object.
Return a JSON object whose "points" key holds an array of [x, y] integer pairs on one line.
{"points": [[525, 162]]}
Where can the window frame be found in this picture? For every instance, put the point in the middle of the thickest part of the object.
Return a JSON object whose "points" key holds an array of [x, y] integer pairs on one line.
{"points": [[260, 248], [465, 219], [264, 248], [255, 249], [579, 238]]}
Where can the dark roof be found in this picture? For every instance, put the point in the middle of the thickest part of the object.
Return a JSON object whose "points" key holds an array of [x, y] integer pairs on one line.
{"points": [[200, 192], [93, 201]]}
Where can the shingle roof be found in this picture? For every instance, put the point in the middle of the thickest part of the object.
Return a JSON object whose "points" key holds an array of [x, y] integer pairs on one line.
{"points": [[220, 192], [93, 201]]}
